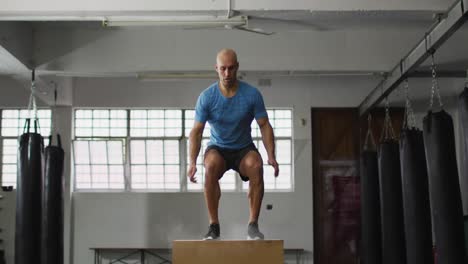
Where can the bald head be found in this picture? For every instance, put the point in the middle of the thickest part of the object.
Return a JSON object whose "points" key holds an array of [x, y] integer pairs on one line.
{"points": [[226, 66], [226, 54]]}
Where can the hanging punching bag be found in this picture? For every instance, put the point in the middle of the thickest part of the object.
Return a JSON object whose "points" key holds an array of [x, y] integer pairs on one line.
{"points": [[463, 110], [28, 196], [52, 205], [393, 237], [415, 189], [370, 209], [444, 188]]}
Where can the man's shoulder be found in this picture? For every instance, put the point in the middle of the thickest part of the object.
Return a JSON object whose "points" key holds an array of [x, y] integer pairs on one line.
{"points": [[210, 89], [247, 87]]}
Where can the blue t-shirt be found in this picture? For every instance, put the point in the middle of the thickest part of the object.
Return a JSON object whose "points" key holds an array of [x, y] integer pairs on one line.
{"points": [[230, 118]]}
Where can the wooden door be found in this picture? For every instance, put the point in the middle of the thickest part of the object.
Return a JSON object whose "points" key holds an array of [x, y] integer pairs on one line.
{"points": [[335, 148], [337, 137]]}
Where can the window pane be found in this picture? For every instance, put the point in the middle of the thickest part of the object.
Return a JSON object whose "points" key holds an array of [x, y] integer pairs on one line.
{"points": [[100, 123], [138, 152], [171, 148], [83, 114], [286, 114], [99, 164], [283, 151], [101, 114], [200, 174], [115, 154], [98, 152], [155, 151], [156, 123], [138, 114], [83, 132], [189, 121], [155, 171], [172, 178], [118, 114], [81, 152], [156, 114]]}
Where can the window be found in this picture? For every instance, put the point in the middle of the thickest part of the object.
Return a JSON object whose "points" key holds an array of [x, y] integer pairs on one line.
{"points": [[145, 141], [99, 147], [12, 126], [146, 149]]}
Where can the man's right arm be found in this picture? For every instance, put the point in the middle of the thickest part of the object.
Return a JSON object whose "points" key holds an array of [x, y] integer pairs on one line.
{"points": [[195, 138]]}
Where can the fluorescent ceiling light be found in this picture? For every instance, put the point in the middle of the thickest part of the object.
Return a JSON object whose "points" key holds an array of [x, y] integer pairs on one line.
{"points": [[51, 18], [177, 75], [174, 21]]}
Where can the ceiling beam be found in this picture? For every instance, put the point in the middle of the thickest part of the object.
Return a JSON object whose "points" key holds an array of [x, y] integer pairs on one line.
{"points": [[448, 24]]}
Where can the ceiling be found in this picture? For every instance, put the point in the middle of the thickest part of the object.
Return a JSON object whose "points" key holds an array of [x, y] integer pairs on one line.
{"points": [[359, 37]]}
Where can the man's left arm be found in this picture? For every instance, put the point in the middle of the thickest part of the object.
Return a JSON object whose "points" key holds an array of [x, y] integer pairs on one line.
{"points": [[268, 139]]}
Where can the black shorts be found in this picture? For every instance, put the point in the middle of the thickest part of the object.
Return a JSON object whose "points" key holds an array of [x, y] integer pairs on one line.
{"points": [[233, 157]]}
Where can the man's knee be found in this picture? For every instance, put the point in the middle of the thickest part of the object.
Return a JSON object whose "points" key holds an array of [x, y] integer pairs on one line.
{"points": [[213, 167], [253, 162], [213, 162]]}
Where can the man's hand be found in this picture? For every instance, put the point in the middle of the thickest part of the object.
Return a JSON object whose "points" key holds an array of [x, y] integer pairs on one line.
{"points": [[191, 173], [275, 166]]}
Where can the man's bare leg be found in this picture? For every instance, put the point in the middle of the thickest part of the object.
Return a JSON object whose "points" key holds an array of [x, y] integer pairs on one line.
{"points": [[214, 168], [251, 166]]}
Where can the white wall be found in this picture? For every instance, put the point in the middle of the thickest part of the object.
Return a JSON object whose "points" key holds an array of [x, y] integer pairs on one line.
{"points": [[7, 223], [12, 94]]}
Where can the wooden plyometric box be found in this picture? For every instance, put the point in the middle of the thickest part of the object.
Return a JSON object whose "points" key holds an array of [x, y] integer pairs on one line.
{"points": [[227, 252]]}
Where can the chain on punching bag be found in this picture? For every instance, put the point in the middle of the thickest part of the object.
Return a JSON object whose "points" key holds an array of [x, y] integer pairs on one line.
{"points": [[52, 205], [391, 204], [371, 250], [444, 188], [415, 189], [28, 196]]}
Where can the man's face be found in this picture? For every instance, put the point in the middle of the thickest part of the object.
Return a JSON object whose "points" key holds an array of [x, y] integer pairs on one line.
{"points": [[226, 67]]}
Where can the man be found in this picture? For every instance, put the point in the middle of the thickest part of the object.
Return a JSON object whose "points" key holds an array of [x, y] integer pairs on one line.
{"points": [[230, 106]]}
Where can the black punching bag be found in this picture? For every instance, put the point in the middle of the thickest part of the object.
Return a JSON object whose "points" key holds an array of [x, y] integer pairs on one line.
{"points": [[415, 189], [28, 196], [52, 205], [444, 188], [391, 204], [370, 209], [463, 110]]}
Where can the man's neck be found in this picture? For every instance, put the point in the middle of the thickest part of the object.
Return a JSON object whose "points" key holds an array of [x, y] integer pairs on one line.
{"points": [[229, 91]]}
